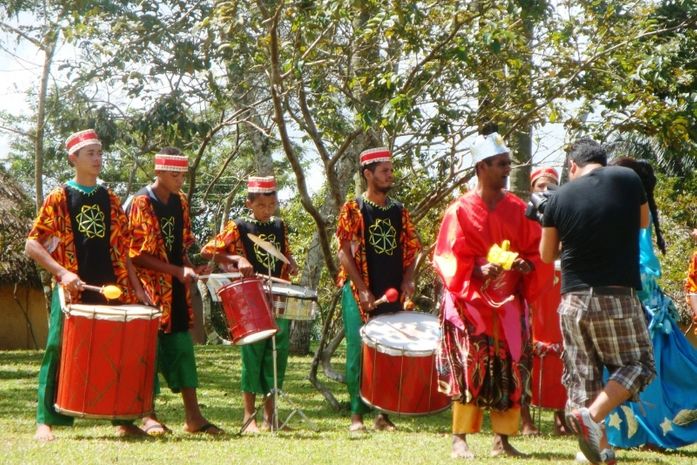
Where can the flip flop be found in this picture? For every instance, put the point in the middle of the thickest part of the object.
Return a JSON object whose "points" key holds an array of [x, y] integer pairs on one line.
{"points": [[157, 429], [206, 429]]}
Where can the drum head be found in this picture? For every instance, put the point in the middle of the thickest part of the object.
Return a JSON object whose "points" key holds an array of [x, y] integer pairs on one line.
{"points": [[410, 333], [113, 312]]}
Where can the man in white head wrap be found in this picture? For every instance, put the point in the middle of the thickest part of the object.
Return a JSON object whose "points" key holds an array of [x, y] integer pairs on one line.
{"points": [[484, 306]]}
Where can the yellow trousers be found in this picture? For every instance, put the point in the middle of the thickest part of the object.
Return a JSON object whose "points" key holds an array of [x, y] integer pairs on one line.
{"points": [[468, 418]]}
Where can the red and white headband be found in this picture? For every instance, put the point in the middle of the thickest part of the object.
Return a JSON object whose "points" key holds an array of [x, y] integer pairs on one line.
{"points": [[544, 173], [81, 139], [375, 155], [166, 162], [261, 185]]}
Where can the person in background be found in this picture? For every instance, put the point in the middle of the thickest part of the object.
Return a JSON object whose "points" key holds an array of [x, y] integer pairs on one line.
{"points": [[547, 388], [658, 420]]}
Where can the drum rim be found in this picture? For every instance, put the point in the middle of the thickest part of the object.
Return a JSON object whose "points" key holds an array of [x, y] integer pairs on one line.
{"points": [[265, 334], [383, 348], [311, 295], [78, 414], [126, 312], [406, 414]]}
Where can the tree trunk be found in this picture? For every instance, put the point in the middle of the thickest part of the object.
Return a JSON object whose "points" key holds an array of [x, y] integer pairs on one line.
{"points": [[301, 331], [521, 143], [48, 48]]}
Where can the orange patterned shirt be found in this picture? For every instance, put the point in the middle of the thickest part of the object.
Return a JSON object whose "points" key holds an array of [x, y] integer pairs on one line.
{"points": [[691, 282], [54, 231], [147, 238], [349, 228]]}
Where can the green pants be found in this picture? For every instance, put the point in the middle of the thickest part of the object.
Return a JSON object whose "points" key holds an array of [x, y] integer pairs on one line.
{"points": [[352, 326], [257, 361], [48, 373], [176, 361]]}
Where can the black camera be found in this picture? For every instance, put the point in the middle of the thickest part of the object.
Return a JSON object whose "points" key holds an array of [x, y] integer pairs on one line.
{"points": [[538, 201]]}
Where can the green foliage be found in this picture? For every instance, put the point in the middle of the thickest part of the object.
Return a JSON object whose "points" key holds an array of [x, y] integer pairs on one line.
{"points": [[676, 199]]}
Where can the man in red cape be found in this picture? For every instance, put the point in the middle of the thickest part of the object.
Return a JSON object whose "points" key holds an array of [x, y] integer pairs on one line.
{"points": [[485, 304]]}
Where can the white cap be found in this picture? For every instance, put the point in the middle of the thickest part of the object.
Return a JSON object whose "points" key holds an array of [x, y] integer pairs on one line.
{"points": [[488, 146]]}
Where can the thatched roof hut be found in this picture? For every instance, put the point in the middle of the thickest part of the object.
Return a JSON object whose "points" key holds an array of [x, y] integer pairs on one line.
{"points": [[16, 213], [21, 296]]}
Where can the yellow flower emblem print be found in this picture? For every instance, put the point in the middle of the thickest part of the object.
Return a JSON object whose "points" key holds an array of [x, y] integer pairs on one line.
{"points": [[383, 236], [167, 227], [90, 221]]}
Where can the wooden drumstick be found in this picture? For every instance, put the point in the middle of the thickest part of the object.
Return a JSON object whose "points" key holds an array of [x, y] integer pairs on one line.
{"points": [[391, 295], [109, 291]]}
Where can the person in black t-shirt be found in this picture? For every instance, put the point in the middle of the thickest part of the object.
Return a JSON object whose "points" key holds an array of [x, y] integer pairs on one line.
{"points": [[596, 218]]}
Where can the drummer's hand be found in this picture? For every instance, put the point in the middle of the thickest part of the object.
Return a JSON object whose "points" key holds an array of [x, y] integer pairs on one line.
{"points": [[407, 288], [367, 300], [143, 297], [293, 268], [245, 267], [203, 269], [186, 274], [522, 265], [71, 282]]}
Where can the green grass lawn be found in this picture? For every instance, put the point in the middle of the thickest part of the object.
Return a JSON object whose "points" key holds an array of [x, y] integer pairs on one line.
{"points": [[422, 440]]}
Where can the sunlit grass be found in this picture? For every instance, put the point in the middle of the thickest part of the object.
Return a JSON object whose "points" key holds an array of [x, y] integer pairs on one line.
{"points": [[422, 440]]}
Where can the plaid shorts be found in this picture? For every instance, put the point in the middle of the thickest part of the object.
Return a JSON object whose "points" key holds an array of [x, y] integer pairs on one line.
{"points": [[603, 331]]}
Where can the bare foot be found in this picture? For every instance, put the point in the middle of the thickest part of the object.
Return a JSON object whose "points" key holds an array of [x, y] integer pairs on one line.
{"points": [[44, 433], [502, 447], [357, 426], [130, 431], [383, 423], [528, 429], [251, 427], [460, 448], [560, 424]]}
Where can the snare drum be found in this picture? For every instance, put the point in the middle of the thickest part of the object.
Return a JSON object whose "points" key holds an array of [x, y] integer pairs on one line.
{"points": [[247, 311], [399, 364], [107, 366], [293, 302]]}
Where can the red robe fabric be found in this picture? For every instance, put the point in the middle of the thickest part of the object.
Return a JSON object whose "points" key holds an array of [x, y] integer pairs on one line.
{"points": [[496, 309], [547, 389]]}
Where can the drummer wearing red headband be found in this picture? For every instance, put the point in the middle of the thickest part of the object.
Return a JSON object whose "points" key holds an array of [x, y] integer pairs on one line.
{"points": [[546, 386], [234, 250], [69, 239], [160, 239], [377, 251]]}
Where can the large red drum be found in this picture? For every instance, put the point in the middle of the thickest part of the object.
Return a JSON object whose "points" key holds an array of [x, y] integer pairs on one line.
{"points": [[108, 356], [399, 364], [247, 311]]}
